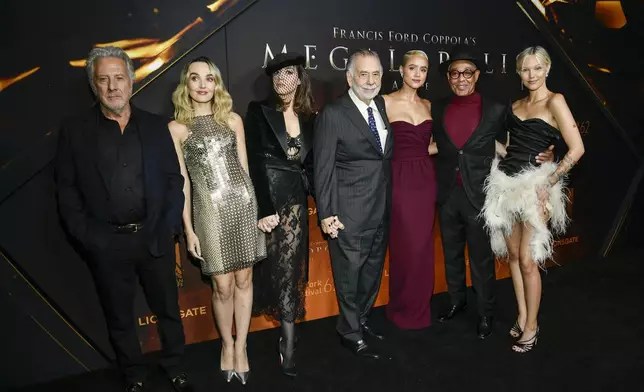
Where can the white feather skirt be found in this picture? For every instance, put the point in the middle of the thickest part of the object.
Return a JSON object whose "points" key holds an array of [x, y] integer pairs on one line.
{"points": [[513, 199]]}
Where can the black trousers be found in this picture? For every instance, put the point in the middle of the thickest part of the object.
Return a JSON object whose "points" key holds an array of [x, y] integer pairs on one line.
{"points": [[459, 224], [116, 272], [357, 260]]}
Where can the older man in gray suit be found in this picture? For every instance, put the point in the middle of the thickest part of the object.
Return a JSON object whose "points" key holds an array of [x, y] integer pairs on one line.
{"points": [[352, 162]]}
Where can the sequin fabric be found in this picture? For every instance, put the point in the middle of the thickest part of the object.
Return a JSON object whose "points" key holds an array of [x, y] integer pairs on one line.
{"points": [[224, 207]]}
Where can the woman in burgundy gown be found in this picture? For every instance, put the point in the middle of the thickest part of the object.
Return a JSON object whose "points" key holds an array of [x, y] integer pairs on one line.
{"points": [[411, 241]]}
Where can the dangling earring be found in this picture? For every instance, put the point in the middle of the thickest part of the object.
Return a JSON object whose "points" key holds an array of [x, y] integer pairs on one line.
{"points": [[401, 75], [522, 85], [547, 73]]}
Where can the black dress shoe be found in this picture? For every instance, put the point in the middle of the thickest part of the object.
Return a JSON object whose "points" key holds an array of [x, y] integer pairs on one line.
{"points": [[134, 387], [181, 384], [451, 312], [484, 327], [371, 333], [360, 348]]}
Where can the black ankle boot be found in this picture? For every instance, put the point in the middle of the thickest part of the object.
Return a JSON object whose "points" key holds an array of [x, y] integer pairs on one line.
{"points": [[287, 363]]}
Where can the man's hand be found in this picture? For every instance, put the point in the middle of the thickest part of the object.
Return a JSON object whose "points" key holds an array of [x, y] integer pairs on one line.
{"points": [[546, 156], [331, 225], [268, 223], [500, 149]]}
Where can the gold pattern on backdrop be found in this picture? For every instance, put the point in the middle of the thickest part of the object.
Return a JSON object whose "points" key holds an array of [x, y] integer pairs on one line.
{"points": [[219, 5], [152, 52], [6, 82]]}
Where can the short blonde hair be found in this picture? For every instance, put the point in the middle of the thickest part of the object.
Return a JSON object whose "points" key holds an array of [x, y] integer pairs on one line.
{"points": [[222, 103], [413, 53], [541, 54]]}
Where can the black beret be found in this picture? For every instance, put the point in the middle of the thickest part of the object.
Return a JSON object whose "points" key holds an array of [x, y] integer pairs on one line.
{"points": [[461, 52], [284, 60]]}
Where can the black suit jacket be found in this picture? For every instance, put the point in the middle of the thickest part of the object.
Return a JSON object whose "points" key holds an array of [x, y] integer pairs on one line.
{"points": [[352, 177], [475, 158], [266, 147], [82, 181]]}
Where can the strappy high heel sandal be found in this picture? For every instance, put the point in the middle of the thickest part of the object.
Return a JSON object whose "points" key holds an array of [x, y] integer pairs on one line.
{"points": [[516, 330], [523, 346]]}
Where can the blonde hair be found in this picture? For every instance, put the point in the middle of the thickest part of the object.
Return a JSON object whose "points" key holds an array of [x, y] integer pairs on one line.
{"points": [[413, 53], [222, 102], [541, 54]]}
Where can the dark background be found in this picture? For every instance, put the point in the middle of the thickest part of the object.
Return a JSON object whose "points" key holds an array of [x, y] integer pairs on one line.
{"points": [[52, 311]]}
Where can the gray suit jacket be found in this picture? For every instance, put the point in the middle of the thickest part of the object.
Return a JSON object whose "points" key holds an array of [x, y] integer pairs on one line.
{"points": [[352, 177]]}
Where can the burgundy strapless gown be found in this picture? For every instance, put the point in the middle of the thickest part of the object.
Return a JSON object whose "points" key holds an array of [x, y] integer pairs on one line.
{"points": [[411, 241]]}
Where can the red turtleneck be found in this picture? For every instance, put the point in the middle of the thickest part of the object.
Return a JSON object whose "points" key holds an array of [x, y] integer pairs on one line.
{"points": [[462, 116]]}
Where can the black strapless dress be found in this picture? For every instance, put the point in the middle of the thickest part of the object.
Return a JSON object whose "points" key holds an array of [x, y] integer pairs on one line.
{"points": [[511, 189]]}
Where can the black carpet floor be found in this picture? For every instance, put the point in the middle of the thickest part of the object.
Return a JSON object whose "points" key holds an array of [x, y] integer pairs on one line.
{"points": [[592, 339]]}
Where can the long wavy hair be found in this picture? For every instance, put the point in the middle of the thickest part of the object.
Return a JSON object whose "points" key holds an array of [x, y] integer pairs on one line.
{"points": [[222, 102], [303, 100]]}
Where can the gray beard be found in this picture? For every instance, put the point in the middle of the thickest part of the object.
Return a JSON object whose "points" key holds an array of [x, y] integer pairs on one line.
{"points": [[115, 109]]}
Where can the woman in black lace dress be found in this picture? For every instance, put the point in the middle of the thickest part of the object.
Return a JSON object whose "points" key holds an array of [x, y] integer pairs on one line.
{"points": [[279, 134]]}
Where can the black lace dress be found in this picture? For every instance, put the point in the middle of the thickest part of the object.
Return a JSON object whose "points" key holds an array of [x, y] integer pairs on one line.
{"points": [[280, 280], [281, 168]]}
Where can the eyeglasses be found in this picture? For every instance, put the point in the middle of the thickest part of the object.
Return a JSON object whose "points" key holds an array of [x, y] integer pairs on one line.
{"points": [[467, 74]]}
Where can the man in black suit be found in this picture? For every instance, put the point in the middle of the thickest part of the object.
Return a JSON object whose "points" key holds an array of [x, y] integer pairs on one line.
{"points": [[120, 195], [468, 130], [352, 152]]}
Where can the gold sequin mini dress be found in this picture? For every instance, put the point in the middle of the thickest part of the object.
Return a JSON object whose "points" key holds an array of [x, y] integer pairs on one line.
{"points": [[224, 208]]}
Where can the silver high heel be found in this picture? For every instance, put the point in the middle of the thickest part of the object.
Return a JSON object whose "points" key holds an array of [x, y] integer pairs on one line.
{"points": [[228, 374], [242, 376]]}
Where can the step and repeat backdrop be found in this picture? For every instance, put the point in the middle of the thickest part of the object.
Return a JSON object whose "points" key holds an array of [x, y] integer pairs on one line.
{"points": [[327, 33], [240, 37]]}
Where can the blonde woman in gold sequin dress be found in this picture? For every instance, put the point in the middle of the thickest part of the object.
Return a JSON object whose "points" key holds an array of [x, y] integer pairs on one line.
{"points": [[220, 212]]}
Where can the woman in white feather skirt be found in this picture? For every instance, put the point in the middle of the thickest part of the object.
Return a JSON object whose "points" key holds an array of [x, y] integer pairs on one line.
{"points": [[524, 197]]}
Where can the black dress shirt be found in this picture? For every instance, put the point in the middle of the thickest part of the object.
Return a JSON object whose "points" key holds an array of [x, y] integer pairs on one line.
{"points": [[121, 154]]}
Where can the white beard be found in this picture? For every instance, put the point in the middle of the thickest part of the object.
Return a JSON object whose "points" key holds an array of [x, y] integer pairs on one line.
{"points": [[363, 95]]}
